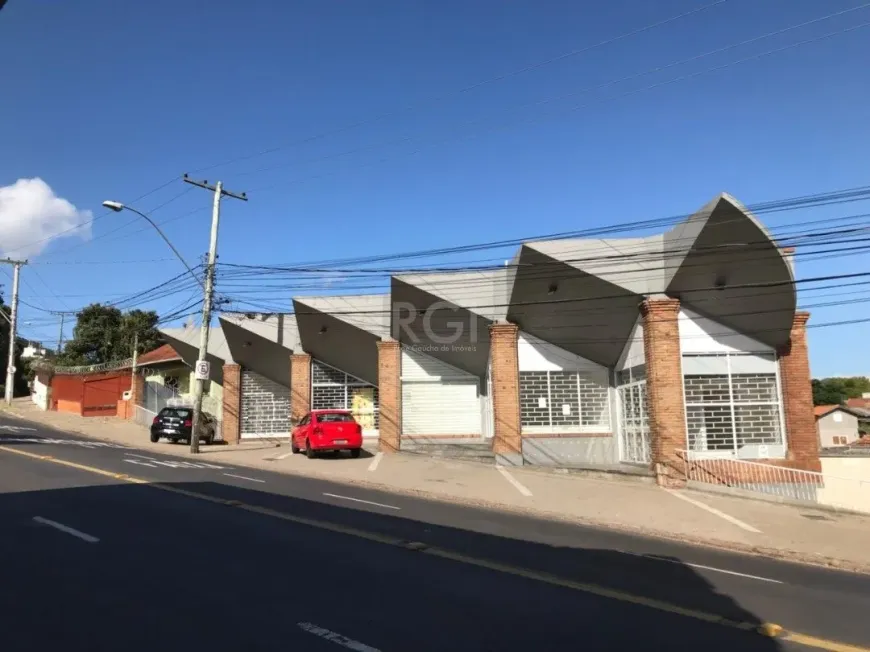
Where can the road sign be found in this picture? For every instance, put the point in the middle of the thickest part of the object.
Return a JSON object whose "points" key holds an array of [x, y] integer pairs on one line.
{"points": [[202, 369]]}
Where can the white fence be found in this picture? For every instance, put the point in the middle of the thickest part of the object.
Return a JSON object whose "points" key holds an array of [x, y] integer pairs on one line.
{"points": [[777, 482]]}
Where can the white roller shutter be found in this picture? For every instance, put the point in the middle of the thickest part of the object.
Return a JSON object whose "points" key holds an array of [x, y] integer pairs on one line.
{"points": [[438, 399]]}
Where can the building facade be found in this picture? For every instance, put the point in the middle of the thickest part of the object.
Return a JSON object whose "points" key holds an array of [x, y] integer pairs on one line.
{"points": [[653, 351]]}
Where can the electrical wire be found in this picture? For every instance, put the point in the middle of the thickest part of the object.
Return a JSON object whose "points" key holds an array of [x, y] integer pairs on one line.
{"points": [[465, 89]]}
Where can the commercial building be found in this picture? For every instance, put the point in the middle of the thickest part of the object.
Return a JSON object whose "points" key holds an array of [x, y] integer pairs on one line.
{"points": [[576, 352]]}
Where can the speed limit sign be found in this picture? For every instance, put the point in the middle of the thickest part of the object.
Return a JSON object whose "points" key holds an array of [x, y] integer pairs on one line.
{"points": [[202, 369]]}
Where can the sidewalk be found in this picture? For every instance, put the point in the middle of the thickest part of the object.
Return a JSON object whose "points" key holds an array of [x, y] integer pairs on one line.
{"points": [[634, 505]]}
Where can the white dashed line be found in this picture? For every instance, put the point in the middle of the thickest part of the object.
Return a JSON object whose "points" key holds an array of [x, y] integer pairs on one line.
{"points": [[68, 530], [516, 483], [713, 510], [243, 477], [357, 500], [335, 637], [374, 465]]}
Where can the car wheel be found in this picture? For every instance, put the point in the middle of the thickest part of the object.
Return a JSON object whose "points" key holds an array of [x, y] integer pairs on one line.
{"points": [[355, 452], [154, 437], [294, 448], [309, 452]]}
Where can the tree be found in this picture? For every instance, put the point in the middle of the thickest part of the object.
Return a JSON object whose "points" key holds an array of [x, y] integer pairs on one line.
{"points": [[835, 391], [105, 334]]}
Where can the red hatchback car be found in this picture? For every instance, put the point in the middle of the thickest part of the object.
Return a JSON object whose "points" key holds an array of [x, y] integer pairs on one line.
{"points": [[326, 431]]}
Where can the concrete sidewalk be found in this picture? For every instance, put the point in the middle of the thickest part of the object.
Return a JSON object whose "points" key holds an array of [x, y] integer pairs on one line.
{"points": [[630, 504]]}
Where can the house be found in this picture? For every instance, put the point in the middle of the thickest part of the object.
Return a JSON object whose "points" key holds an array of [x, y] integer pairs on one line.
{"points": [[837, 425], [577, 351]]}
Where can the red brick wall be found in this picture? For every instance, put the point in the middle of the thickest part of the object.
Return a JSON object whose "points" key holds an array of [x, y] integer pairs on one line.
{"points": [[797, 398], [232, 403], [507, 437], [664, 386], [390, 395], [300, 385]]}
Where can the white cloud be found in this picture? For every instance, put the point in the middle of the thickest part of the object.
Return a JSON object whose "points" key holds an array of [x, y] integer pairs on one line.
{"points": [[31, 216]]}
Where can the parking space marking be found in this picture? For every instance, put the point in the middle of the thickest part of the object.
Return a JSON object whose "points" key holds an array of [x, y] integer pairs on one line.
{"points": [[358, 500], [335, 637], [516, 483], [243, 477], [64, 528], [374, 465], [714, 511]]}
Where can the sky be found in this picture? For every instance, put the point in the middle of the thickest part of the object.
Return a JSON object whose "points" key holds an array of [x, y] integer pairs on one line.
{"points": [[375, 127]]}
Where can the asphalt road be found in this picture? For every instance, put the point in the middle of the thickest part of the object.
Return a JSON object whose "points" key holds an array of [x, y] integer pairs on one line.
{"points": [[160, 569]]}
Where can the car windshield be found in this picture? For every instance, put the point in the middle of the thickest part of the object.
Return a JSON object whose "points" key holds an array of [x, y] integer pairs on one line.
{"points": [[179, 413], [333, 417]]}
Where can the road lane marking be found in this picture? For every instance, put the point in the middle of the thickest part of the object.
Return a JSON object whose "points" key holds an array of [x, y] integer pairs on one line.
{"points": [[141, 463], [335, 637], [709, 568], [713, 510], [64, 528], [243, 477], [516, 483], [592, 589], [374, 465], [357, 500]]}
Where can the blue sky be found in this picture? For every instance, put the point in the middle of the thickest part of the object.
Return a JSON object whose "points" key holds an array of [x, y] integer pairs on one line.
{"points": [[105, 99]]}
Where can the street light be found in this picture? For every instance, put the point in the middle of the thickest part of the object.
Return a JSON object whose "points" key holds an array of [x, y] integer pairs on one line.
{"points": [[118, 207]]}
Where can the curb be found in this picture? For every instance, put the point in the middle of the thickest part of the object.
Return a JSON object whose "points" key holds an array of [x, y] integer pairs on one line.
{"points": [[780, 554]]}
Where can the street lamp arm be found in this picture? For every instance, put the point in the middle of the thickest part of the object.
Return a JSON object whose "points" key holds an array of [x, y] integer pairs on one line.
{"points": [[165, 239]]}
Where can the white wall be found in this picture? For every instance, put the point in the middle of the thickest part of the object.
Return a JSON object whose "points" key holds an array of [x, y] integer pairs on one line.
{"points": [[40, 394], [633, 355], [537, 355], [702, 335], [847, 483]]}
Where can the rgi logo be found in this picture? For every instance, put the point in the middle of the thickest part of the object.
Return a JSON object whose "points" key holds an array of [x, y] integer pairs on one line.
{"points": [[443, 326]]}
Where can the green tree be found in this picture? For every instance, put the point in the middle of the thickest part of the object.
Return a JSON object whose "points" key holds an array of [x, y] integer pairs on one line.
{"points": [[836, 391], [104, 334]]}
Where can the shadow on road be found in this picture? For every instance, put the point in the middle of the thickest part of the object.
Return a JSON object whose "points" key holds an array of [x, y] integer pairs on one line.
{"points": [[255, 569]]}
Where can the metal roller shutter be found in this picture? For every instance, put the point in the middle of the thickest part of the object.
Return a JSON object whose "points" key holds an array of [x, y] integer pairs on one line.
{"points": [[438, 399]]}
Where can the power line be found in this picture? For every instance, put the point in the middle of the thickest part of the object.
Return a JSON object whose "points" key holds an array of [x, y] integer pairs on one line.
{"points": [[511, 123], [468, 88]]}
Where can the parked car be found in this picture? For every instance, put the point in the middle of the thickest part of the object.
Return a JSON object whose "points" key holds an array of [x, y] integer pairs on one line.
{"points": [[176, 423], [324, 431]]}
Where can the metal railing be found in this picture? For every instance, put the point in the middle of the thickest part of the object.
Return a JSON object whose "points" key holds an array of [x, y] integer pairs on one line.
{"points": [[143, 417], [777, 482]]}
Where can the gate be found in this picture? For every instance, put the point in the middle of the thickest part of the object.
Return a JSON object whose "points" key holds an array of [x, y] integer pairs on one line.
{"points": [[634, 423]]}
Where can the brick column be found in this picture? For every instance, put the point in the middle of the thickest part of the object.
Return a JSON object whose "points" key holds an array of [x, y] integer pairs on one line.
{"points": [[231, 414], [137, 395], [664, 388], [300, 385], [507, 443], [389, 396], [797, 397]]}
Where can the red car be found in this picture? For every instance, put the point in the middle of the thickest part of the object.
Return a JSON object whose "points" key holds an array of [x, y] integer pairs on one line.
{"points": [[326, 431]]}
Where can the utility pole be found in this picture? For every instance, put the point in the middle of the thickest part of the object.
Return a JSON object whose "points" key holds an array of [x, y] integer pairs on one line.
{"points": [[201, 362], [13, 325], [60, 337], [135, 359]]}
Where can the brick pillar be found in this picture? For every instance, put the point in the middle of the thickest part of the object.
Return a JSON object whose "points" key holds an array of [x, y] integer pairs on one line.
{"points": [[389, 396], [231, 418], [300, 385], [797, 397], [664, 387], [507, 441], [137, 395]]}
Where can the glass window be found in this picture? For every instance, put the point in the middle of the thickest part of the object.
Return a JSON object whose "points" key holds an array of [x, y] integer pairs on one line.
{"points": [[334, 417]]}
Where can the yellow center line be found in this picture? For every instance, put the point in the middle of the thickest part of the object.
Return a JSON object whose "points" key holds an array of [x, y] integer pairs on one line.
{"points": [[765, 629]]}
